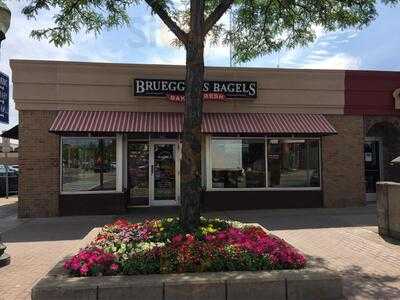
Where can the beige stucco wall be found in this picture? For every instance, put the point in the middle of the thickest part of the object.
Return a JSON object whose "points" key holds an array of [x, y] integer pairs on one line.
{"points": [[44, 85]]}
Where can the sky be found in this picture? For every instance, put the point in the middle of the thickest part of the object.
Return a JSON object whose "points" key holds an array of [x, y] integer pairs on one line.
{"points": [[147, 40]]}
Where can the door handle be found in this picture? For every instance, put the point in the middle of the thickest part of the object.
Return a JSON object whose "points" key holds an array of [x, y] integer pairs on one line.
{"points": [[152, 169]]}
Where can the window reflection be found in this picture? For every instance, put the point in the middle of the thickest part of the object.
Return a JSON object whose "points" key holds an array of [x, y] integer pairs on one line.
{"points": [[241, 163], [293, 163], [238, 163], [88, 164]]}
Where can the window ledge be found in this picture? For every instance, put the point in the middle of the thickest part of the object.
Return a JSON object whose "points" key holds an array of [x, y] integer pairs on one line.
{"points": [[90, 192], [263, 189]]}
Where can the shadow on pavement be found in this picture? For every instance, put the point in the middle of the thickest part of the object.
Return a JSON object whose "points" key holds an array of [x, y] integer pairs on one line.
{"points": [[73, 228], [7, 210], [360, 284], [55, 229], [275, 219], [307, 218]]}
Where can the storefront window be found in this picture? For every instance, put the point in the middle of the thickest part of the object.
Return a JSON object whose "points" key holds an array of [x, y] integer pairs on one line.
{"points": [[293, 163], [238, 163], [88, 164]]}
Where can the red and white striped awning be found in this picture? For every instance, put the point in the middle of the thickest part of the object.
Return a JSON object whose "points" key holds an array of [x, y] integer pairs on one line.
{"points": [[117, 121], [266, 123], [169, 122]]}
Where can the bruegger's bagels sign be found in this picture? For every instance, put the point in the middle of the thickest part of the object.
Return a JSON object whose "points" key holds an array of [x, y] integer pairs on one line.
{"points": [[174, 90]]}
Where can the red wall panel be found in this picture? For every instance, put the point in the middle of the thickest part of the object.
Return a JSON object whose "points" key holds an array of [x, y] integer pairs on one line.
{"points": [[370, 92]]}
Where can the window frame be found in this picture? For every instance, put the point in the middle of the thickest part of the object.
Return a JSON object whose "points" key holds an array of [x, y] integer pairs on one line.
{"points": [[208, 147], [118, 171]]}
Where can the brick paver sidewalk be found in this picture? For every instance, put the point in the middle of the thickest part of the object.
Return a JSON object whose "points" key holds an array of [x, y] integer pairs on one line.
{"points": [[342, 239], [36, 245]]}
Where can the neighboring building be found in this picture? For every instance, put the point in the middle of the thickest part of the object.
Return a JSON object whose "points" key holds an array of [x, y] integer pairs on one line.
{"points": [[98, 138], [8, 151]]}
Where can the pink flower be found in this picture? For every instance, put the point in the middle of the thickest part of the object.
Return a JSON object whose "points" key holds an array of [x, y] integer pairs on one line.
{"points": [[90, 260], [114, 267], [221, 235], [84, 269], [190, 238], [177, 238], [209, 237], [75, 265]]}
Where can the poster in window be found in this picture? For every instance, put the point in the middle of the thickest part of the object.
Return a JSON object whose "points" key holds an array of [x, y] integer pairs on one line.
{"points": [[368, 156], [227, 155]]}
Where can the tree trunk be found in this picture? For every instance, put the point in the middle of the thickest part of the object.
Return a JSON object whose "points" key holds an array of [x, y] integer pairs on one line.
{"points": [[191, 141]]}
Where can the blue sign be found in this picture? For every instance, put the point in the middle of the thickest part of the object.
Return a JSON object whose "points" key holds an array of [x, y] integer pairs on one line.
{"points": [[4, 97]]}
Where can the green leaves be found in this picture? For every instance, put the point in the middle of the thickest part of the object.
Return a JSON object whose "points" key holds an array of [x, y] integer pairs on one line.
{"points": [[259, 26], [76, 15], [265, 26]]}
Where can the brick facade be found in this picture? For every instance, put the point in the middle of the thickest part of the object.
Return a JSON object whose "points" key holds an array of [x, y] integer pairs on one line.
{"points": [[350, 100], [343, 163], [39, 159]]}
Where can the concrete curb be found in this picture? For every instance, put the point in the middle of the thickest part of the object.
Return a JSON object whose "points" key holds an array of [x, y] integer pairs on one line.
{"points": [[318, 284]]}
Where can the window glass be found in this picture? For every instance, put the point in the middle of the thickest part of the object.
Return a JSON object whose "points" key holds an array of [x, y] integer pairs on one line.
{"points": [[293, 163], [88, 164], [238, 163], [313, 163]]}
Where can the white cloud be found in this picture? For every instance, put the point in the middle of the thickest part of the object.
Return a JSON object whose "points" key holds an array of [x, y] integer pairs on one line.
{"points": [[353, 35], [173, 59], [336, 61], [164, 37], [320, 52], [323, 53]]}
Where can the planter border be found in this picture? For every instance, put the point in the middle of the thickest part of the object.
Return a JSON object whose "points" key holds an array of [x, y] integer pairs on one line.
{"points": [[309, 284]]}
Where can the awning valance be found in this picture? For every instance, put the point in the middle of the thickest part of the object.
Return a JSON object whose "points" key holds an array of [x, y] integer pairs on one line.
{"points": [[168, 122], [116, 121], [266, 123]]}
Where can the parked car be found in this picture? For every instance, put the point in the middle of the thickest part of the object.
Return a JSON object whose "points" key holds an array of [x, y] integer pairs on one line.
{"points": [[16, 167], [13, 168], [11, 171]]}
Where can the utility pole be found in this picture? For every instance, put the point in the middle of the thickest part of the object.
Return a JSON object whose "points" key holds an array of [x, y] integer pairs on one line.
{"points": [[231, 62]]}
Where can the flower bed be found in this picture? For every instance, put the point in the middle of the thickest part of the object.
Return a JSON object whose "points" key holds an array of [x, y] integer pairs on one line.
{"points": [[162, 247]]}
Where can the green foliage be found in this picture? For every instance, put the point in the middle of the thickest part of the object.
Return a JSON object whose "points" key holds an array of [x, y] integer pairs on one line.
{"points": [[75, 15], [260, 26], [141, 263], [265, 26], [163, 246]]}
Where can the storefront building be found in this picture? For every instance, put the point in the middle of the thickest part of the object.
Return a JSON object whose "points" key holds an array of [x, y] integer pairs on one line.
{"points": [[100, 138]]}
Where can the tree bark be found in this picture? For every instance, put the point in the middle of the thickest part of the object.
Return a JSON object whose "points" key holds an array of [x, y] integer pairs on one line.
{"points": [[191, 140]]}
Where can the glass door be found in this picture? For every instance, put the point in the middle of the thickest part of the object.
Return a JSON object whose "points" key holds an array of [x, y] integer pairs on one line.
{"points": [[138, 173], [164, 173], [372, 160]]}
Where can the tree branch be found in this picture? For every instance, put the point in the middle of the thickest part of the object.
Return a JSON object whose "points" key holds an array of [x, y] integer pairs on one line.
{"points": [[171, 24], [219, 11]]}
